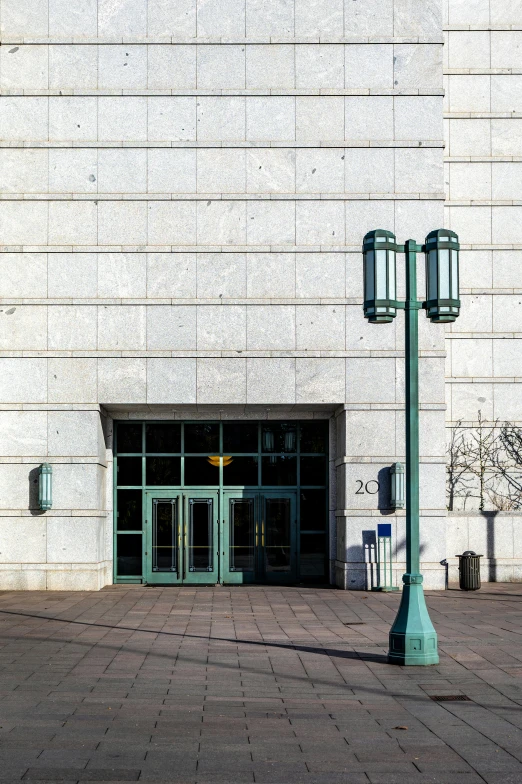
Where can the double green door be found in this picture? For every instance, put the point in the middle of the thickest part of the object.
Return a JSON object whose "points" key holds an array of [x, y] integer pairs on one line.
{"points": [[231, 537], [260, 537]]}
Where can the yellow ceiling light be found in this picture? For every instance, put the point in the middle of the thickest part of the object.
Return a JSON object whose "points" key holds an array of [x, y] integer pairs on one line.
{"points": [[214, 460]]}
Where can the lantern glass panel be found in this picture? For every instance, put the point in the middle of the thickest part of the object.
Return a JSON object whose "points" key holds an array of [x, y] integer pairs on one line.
{"points": [[381, 276], [397, 495], [369, 278], [45, 487], [391, 272], [432, 275], [444, 274], [454, 274]]}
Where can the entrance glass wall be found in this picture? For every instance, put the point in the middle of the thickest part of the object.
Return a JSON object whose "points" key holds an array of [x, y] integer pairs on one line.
{"points": [[232, 502]]}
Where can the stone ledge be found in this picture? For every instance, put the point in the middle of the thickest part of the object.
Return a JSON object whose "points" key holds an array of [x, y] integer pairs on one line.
{"points": [[209, 40]]}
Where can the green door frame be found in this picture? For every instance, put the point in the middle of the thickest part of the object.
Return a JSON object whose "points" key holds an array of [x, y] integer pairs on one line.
{"points": [[184, 503], [257, 510]]}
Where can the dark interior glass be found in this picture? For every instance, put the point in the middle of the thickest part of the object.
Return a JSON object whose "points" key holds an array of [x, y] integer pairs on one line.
{"points": [[279, 437], [200, 536], [314, 436], [129, 510], [202, 437], [313, 548], [313, 510], [279, 470], [313, 470], [198, 471], [162, 437], [164, 536], [278, 547], [241, 534], [163, 471], [240, 437], [128, 437], [129, 471], [241, 471], [129, 554]]}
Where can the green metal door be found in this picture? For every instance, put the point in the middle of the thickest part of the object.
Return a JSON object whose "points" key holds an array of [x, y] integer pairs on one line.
{"points": [[259, 537], [240, 537], [181, 542]]}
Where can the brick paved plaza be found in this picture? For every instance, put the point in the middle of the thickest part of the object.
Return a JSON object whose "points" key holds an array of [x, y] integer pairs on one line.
{"points": [[256, 684]]}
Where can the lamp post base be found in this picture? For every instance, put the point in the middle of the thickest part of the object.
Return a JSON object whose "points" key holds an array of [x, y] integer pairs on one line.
{"points": [[413, 640]]}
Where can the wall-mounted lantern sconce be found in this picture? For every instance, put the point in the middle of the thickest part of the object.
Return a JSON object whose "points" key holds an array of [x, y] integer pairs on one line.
{"points": [[397, 486], [45, 487]]}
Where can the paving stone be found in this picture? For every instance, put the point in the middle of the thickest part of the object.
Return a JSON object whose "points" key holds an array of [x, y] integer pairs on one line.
{"points": [[280, 691]]}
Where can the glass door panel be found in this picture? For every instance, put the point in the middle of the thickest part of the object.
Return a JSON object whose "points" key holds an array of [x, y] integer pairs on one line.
{"points": [[162, 543], [165, 544], [201, 537], [240, 534], [278, 537], [200, 549], [241, 547]]}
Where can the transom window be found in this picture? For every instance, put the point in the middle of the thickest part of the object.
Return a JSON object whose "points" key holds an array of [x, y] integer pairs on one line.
{"points": [[214, 454]]}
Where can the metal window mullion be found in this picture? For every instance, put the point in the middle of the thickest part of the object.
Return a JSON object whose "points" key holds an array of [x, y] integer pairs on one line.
{"points": [[143, 501], [174, 540], [182, 471], [298, 502], [210, 537], [143, 464], [220, 447], [259, 452], [115, 517], [298, 454]]}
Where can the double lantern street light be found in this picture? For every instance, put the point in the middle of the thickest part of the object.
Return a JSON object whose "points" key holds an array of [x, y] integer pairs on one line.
{"points": [[413, 640]]}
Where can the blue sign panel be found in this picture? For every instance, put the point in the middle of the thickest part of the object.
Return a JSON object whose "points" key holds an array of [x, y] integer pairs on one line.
{"points": [[384, 529]]}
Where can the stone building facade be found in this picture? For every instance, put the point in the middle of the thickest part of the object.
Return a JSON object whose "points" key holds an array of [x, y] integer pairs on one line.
{"points": [[185, 189]]}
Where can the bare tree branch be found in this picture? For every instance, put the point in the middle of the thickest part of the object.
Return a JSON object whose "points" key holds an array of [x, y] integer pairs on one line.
{"points": [[458, 485], [485, 462]]}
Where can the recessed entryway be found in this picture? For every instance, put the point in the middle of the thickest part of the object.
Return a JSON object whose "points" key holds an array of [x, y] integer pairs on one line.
{"points": [[229, 502]]}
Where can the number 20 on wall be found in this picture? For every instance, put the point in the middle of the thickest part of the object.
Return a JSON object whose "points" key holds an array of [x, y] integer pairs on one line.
{"points": [[371, 487]]}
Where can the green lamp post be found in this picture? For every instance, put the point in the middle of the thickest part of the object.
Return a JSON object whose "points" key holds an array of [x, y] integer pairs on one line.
{"points": [[413, 640]]}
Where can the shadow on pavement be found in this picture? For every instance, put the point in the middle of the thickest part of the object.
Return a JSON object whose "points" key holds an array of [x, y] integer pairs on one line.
{"points": [[331, 652]]}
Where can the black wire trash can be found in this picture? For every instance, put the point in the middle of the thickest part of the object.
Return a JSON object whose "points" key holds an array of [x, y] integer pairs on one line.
{"points": [[469, 571]]}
